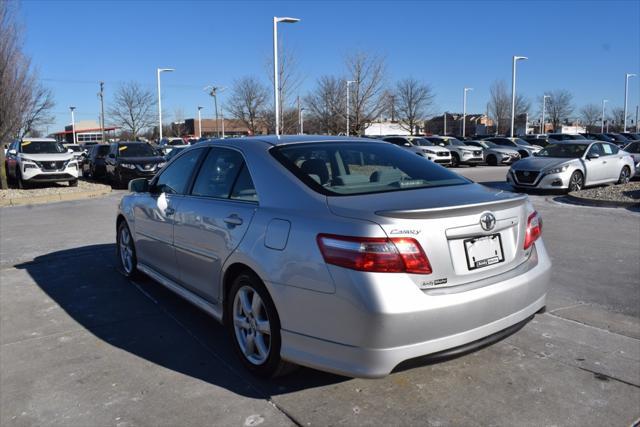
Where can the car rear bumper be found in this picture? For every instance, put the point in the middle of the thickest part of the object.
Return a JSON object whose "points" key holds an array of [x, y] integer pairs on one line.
{"points": [[369, 335]]}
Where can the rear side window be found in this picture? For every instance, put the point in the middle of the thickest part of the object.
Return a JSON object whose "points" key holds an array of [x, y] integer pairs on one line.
{"points": [[351, 168], [218, 173], [175, 178], [634, 148]]}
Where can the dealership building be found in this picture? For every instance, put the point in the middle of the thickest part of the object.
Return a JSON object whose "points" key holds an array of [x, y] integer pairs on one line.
{"points": [[87, 131]]}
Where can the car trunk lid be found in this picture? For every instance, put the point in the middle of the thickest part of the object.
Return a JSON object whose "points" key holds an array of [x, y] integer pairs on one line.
{"points": [[446, 221]]}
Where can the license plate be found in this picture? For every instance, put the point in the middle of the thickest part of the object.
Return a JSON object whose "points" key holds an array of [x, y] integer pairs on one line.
{"points": [[483, 251]]}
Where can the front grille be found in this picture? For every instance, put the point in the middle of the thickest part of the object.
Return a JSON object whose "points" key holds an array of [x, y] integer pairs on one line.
{"points": [[52, 165], [147, 167], [444, 161], [443, 154], [527, 177], [477, 153]]}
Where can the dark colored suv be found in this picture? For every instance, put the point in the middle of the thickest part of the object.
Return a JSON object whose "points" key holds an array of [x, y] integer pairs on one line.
{"points": [[94, 166], [130, 160]]}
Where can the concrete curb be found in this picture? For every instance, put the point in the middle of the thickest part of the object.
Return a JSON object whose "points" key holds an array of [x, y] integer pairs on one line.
{"points": [[57, 197], [601, 203]]}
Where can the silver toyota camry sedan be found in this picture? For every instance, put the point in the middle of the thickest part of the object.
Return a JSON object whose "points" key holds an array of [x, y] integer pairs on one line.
{"points": [[572, 165], [347, 255]]}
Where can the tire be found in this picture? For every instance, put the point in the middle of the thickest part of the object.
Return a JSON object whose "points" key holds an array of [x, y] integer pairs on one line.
{"points": [[492, 160], [472, 165], [126, 251], [455, 160], [254, 327], [73, 183], [625, 175], [19, 182], [576, 182]]}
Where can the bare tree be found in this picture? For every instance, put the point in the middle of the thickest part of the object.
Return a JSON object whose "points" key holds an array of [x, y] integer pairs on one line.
{"points": [[24, 103], [500, 105], [326, 106], [413, 99], [133, 108], [37, 112], [616, 119], [559, 106], [590, 115], [367, 99], [248, 102]]}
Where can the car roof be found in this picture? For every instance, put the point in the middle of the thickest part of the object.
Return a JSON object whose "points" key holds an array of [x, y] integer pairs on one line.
{"points": [[579, 141], [38, 139], [273, 140]]}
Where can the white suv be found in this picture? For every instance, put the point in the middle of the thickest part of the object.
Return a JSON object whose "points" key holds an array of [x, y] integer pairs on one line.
{"points": [[461, 154], [40, 160]]}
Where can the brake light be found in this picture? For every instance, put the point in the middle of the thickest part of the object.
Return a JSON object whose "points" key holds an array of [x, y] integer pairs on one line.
{"points": [[382, 255], [534, 229]]}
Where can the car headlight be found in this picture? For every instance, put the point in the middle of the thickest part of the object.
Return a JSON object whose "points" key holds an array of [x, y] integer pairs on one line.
{"points": [[557, 170], [28, 165], [467, 153], [72, 164], [128, 165], [159, 165]]}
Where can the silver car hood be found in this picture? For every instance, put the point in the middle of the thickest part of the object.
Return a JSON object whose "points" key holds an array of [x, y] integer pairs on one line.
{"points": [[47, 157], [417, 202], [539, 163], [435, 148]]}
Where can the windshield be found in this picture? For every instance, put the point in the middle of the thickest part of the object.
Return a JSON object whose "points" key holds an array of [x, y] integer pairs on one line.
{"points": [[454, 141], [136, 150], [174, 152], [42, 147], [422, 142], [565, 151], [520, 141], [351, 168], [489, 144]]}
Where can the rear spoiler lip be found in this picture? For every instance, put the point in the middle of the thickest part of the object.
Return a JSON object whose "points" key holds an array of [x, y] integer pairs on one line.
{"points": [[417, 213]]}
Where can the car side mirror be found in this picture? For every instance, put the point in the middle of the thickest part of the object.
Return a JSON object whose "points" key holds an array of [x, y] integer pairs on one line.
{"points": [[139, 185], [593, 156], [13, 152], [441, 144], [70, 151]]}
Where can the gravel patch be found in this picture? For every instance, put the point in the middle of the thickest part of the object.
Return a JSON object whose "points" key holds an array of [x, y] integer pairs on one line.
{"points": [[52, 189], [626, 193]]}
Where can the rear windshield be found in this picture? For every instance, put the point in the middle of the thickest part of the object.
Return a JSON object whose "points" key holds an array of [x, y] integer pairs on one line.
{"points": [[42, 147], [351, 168], [136, 150]]}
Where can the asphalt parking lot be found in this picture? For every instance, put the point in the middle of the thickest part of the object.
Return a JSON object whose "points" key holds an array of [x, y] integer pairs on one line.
{"points": [[80, 345]]}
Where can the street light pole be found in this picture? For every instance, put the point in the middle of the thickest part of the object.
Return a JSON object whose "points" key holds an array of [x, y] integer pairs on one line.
{"points": [[302, 121], [161, 70], [199, 122], [626, 93], [101, 94], [73, 123], [604, 102], [513, 89], [464, 110], [276, 86], [213, 91], [445, 124], [348, 113], [544, 106]]}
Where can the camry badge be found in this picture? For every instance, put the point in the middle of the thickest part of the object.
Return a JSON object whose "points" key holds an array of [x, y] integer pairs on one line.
{"points": [[487, 221]]}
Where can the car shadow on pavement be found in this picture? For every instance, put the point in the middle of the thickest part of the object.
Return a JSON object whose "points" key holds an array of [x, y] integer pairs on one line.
{"points": [[143, 318]]}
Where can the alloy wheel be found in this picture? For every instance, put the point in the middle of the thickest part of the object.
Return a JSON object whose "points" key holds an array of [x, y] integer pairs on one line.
{"points": [[251, 325], [126, 249], [625, 176], [576, 182]]}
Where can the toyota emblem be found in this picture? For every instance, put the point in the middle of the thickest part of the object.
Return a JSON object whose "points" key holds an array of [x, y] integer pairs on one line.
{"points": [[487, 221]]}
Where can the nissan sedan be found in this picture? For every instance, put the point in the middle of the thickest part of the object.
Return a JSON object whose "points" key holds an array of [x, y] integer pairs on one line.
{"points": [[346, 255], [571, 166]]}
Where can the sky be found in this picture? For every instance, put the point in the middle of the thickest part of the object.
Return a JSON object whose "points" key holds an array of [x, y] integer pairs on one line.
{"points": [[585, 47]]}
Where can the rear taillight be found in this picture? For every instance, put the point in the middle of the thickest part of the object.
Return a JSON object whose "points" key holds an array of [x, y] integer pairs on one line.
{"points": [[382, 255], [534, 229]]}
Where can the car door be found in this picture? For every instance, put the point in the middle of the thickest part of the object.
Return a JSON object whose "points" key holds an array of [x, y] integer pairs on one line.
{"points": [[11, 159], [613, 161], [154, 214], [596, 168], [212, 220], [110, 160]]}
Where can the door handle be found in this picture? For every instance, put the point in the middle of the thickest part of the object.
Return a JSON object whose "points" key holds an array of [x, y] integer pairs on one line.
{"points": [[169, 211], [233, 220]]}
